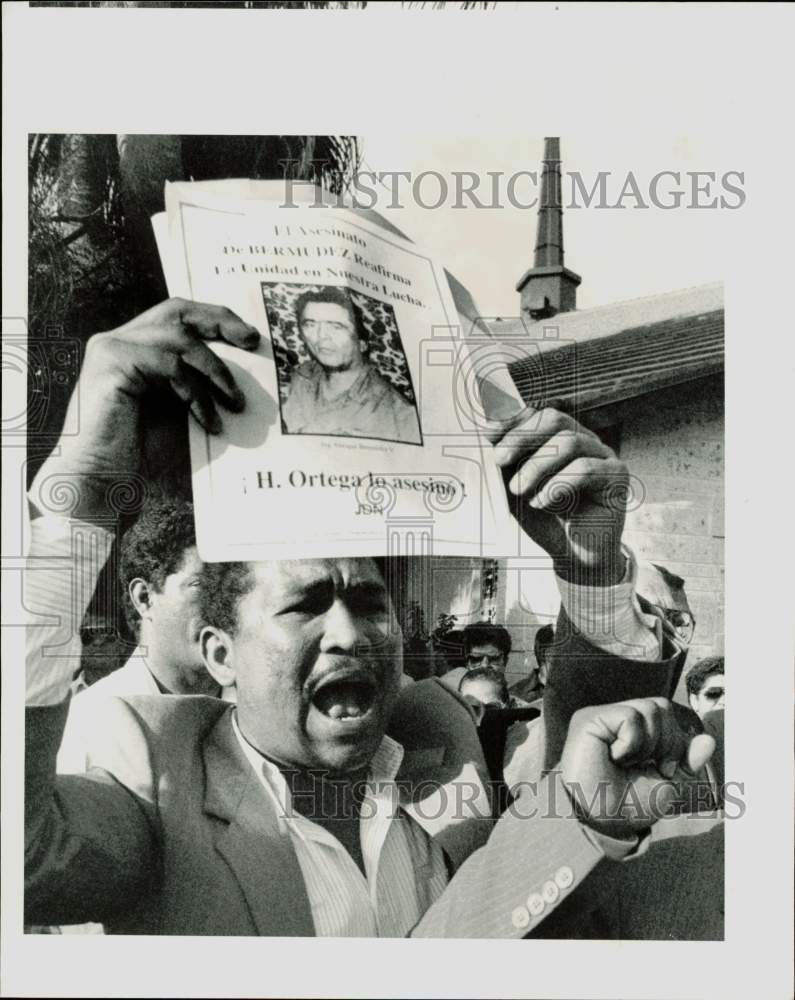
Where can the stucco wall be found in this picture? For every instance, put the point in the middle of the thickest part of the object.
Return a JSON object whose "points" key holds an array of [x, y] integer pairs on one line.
{"points": [[673, 442]]}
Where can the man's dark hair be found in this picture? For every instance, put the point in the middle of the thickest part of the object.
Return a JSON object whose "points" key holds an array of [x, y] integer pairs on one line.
{"points": [[701, 671], [486, 674], [483, 633], [336, 296], [544, 638], [154, 547], [221, 588]]}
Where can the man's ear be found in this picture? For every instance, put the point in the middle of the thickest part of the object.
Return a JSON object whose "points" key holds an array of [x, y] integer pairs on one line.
{"points": [[140, 595], [217, 654]]}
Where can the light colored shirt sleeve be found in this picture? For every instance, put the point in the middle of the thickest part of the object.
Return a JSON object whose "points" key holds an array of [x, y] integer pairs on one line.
{"points": [[611, 617], [618, 849], [63, 563]]}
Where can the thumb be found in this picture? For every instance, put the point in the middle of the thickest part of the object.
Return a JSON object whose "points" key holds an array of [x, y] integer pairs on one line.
{"points": [[696, 754], [699, 751]]}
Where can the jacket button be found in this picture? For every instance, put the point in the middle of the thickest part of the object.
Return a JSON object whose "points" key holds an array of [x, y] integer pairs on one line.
{"points": [[535, 904], [520, 918], [564, 877], [549, 892]]}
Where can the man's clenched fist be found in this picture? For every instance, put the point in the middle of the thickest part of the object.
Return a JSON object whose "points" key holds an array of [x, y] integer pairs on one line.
{"points": [[619, 761]]}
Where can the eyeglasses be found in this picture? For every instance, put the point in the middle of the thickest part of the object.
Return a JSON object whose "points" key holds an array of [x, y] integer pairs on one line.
{"points": [[487, 659], [313, 325], [683, 622], [714, 694]]}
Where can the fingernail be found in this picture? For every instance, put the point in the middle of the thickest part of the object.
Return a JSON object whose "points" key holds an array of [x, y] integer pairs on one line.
{"points": [[502, 455]]}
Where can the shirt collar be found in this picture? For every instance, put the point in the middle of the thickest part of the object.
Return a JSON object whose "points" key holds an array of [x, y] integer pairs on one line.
{"points": [[382, 771], [314, 372]]}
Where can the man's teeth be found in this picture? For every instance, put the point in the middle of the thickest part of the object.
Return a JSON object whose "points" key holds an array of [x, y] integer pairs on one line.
{"points": [[348, 710]]}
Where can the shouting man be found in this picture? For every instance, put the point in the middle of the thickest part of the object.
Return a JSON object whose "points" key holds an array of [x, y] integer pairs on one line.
{"points": [[327, 801]]}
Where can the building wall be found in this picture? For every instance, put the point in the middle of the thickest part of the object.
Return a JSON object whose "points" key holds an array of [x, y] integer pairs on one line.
{"points": [[673, 441]]}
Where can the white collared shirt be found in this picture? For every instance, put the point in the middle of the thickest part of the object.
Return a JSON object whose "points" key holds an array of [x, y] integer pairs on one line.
{"points": [[406, 869]]}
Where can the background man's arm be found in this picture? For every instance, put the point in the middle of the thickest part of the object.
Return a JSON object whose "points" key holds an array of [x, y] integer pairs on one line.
{"points": [[89, 843], [605, 649]]}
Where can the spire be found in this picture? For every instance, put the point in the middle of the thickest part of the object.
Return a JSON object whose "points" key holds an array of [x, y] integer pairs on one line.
{"points": [[549, 235], [549, 287]]}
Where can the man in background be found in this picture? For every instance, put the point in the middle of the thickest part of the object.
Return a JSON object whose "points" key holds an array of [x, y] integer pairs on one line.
{"points": [[531, 688], [338, 391], [706, 686], [486, 686], [160, 570], [485, 645], [663, 592]]}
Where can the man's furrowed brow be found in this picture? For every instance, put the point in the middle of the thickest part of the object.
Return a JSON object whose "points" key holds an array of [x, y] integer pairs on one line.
{"points": [[311, 587]]}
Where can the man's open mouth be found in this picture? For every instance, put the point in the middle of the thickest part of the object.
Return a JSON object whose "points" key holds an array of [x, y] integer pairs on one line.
{"points": [[345, 696]]}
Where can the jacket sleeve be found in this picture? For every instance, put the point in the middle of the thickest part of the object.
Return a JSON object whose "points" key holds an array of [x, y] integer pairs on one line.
{"points": [[581, 674], [90, 842], [671, 891], [536, 856]]}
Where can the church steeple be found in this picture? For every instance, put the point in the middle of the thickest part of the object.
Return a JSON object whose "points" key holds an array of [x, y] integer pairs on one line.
{"points": [[549, 287]]}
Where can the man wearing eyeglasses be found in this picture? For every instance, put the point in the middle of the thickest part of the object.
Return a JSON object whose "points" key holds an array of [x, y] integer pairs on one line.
{"points": [[485, 646], [338, 391], [706, 686], [663, 593]]}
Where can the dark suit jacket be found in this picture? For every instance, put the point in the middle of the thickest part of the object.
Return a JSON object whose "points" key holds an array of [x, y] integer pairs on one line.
{"points": [[581, 674], [172, 833]]}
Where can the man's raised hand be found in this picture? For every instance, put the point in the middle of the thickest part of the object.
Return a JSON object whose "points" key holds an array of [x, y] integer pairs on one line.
{"points": [[567, 489], [168, 344], [163, 348]]}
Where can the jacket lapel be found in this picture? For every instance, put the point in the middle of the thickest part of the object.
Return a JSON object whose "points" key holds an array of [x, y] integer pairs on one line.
{"points": [[258, 851]]}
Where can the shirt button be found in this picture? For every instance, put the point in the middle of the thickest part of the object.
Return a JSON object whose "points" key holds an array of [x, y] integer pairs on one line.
{"points": [[535, 904], [564, 877], [549, 893], [520, 918]]}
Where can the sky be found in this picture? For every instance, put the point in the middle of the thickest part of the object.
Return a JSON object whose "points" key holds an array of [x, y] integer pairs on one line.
{"points": [[619, 253]]}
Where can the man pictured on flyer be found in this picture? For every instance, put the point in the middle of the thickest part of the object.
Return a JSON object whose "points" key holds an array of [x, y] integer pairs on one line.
{"points": [[338, 391]]}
